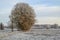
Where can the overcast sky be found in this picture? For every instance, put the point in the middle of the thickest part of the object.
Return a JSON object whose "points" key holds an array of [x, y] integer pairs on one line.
{"points": [[47, 11]]}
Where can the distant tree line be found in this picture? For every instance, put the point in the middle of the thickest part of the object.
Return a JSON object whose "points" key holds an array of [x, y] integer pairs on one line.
{"points": [[47, 26]]}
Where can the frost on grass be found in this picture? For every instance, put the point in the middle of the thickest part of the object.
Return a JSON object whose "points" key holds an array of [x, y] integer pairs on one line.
{"points": [[17, 35]]}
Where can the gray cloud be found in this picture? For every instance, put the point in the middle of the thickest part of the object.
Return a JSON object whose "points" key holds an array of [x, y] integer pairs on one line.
{"points": [[47, 11]]}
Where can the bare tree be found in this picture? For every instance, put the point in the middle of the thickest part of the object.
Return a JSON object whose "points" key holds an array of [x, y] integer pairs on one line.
{"points": [[10, 25], [23, 16], [1, 26]]}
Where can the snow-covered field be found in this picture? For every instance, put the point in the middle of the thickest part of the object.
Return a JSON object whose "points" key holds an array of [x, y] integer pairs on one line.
{"points": [[40, 34]]}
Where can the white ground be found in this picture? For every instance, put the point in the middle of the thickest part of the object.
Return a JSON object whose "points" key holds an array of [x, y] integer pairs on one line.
{"points": [[42, 34]]}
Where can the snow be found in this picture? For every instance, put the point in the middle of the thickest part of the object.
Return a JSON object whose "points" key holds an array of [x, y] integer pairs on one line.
{"points": [[43, 34]]}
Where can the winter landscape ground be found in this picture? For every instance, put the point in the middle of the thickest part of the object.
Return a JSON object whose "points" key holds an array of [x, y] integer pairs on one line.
{"points": [[34, 34]]}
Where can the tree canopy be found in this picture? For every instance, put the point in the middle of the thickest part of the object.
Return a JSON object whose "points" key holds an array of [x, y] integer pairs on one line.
{"points": [[23, 16]]}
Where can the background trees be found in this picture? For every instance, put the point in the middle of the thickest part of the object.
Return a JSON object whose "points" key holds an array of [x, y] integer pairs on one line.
{"points": [[1, 26], [23, 16]]}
